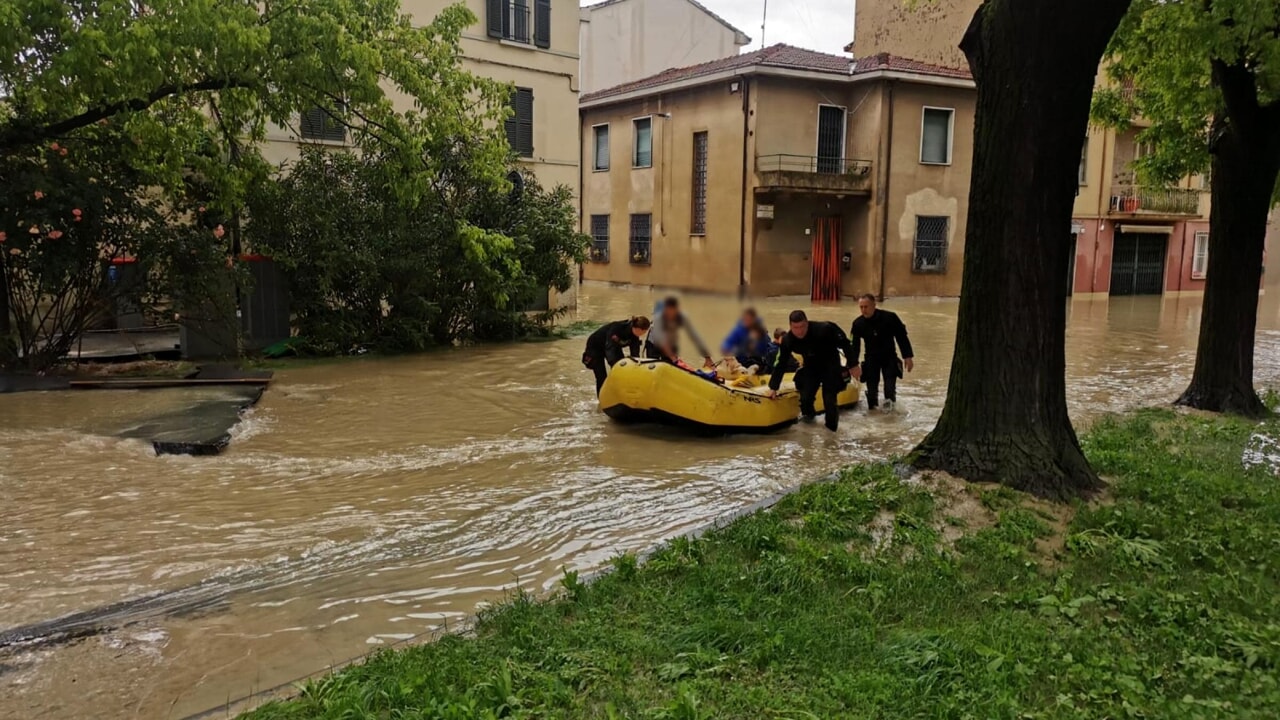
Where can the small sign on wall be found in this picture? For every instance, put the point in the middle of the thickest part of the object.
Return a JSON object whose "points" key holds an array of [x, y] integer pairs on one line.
{"points": [[764, 212]]}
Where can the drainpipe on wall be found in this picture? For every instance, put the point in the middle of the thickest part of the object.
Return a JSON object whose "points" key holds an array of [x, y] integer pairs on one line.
{"points": [[884, 187], [745, 206]]}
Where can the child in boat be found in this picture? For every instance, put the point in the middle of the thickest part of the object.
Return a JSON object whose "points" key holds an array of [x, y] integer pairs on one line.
{"points": [[758, 350], [771, 360]]}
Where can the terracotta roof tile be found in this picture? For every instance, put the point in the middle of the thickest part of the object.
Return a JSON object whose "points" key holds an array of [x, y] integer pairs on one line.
{"points": [[784, 56], [893, 63]]}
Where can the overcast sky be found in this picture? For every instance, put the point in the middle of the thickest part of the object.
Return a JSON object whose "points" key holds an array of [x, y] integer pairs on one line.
{"points": [[825, 25]]}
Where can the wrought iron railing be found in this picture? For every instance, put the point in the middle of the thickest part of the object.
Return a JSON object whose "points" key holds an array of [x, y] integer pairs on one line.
{"points": [[813, 164], [1137, 199], [517, 25]]}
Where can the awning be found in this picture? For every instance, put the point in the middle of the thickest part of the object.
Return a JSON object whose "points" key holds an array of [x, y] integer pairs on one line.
{"points": [[1147, 229]]}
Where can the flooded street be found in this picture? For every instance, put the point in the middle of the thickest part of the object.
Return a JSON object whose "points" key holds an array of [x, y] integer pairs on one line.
{"points": [[364, 502]]}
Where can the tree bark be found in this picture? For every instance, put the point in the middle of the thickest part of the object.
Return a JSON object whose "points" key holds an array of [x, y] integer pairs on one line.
{"points": [[1246, 163], [1005, 418]]}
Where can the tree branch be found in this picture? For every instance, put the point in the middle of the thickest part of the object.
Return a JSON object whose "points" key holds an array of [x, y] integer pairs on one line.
{"points": [[15, 136]]}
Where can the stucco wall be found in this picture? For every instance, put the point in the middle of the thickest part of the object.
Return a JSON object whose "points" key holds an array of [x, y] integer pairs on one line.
{"points": [[934, 190], [679, 258], [929, 30], [626, 41]]}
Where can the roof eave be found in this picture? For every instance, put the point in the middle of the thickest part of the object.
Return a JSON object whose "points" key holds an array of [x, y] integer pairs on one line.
{"points": [[773, 71]]}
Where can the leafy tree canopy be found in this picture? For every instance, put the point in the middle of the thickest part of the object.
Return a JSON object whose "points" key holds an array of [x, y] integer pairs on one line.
{"points": [[1163, 61], [188, 82]]}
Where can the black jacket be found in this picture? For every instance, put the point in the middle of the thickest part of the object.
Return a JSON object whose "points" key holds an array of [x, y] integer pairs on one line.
{"points": [[819, 347], [609, 341], [880, 331]]}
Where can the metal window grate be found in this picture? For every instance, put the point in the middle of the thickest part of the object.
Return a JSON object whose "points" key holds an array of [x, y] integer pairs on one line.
{"points": [[930, 251], [831, 122], [641, 239], [699, 184], [600, 238]]}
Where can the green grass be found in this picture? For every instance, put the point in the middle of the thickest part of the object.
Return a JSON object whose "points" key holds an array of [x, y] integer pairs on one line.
{"points": [[846, 601]]}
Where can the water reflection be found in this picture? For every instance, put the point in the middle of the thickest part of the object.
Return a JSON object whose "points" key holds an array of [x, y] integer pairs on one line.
{"points": [[367, 501]]}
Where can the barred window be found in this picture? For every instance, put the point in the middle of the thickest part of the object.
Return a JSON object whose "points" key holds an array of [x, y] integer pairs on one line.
{"points": [[600, 238], [640, 239], [930, 251], [699, 184]]}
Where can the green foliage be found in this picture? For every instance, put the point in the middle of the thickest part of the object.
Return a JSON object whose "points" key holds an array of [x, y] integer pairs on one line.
{"points": [[190, 83], [1161, 62], [1160, 605], [368, 267], [68, 213]]}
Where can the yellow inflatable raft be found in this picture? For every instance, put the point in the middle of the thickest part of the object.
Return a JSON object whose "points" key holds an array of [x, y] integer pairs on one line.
{"points": [[653, 391]]}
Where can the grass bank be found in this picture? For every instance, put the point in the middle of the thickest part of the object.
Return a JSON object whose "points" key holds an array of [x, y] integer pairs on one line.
{"points": [[878, 597]]}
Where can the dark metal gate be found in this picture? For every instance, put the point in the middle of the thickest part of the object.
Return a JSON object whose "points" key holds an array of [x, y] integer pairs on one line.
{"points": [[1137, 264], [830, 139]]}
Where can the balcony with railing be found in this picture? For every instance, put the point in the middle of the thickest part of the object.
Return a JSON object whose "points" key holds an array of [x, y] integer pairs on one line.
{"points": [[1158, 201], [820, 175]]}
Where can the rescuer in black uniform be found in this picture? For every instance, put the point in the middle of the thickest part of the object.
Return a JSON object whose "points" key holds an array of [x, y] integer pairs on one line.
{"points": [[605, 346], [880, 329], [819, 344]]}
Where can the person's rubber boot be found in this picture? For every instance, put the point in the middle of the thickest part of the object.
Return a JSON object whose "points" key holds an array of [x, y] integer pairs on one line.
{"points": [[832, 426], [889, 405]]}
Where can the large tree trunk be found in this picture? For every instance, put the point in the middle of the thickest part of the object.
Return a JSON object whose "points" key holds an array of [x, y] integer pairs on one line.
{"points": [[1246, 162], [1005, 418]]}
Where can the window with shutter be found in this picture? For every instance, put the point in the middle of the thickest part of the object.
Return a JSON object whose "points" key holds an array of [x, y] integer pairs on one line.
{"points": [[318, 124], [1200, 256], [601, 159], [498, 12], [542, 23], [935, 136], [643, 155], [519, 125]]}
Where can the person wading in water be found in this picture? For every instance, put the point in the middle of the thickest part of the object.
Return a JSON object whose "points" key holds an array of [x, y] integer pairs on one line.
{"points": [[667, 323], [819, 345], [880, 329], [605, 346]]}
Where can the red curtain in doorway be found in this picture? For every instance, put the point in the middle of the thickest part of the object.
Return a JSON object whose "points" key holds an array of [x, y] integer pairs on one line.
{"points": [[826, 260]]}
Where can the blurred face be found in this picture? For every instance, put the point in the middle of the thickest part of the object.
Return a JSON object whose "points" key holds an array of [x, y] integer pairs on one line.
{"points": [[867, 307], [670, 312], [800, 329], [749, 318]]}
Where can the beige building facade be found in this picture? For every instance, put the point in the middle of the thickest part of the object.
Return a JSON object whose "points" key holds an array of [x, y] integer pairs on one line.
{"points": [[531, 44], [1129, 239], [622, 41], [780, 172]]}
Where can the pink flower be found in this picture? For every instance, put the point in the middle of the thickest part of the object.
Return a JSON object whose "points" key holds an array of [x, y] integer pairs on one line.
{"points": [[218, 232], [76, 212], [3, 236], [78, 218], [34, 230], [54, 147], [55, 234], [15, 251], [201, 208], [63, 152], [39, 195]]}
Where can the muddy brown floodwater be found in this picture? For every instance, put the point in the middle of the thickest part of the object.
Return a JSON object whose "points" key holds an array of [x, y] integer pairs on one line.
{"points": [[369, 501]]}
